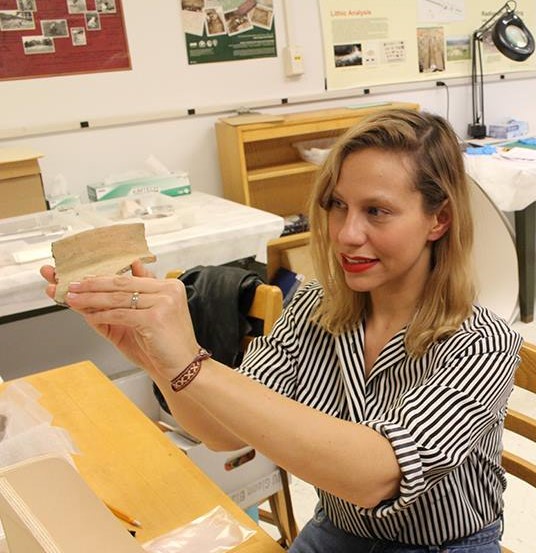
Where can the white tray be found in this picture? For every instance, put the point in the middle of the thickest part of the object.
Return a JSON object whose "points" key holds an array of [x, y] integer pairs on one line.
{"points": [[28, 238], [158, 212]]}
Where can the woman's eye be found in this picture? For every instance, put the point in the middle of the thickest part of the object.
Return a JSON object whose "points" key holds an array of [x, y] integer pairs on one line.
{"points": [[375, 211], [335, 203]]}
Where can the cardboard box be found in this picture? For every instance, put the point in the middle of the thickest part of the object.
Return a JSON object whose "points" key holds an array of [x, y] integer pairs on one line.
{"points": [[21, 186], [247, 478], [176, 184]]}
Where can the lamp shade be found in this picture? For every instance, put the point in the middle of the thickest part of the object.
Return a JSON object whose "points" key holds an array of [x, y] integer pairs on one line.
{"points": [[512, 38]]}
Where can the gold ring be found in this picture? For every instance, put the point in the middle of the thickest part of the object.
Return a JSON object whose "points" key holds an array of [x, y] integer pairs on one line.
{"points": [[134, 300]]}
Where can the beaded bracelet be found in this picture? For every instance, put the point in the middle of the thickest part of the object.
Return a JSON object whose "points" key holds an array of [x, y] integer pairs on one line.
{"points": [[191, 371]]}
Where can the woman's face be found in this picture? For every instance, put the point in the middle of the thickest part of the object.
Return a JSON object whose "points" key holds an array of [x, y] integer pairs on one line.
{"points": [[378, 227]]}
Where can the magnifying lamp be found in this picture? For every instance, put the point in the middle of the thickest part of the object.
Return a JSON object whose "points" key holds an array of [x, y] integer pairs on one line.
{"points": [[513, 40]]}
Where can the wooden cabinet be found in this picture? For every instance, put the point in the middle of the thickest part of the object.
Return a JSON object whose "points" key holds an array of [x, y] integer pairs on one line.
{"points": [[21, 186], [260, 166]]}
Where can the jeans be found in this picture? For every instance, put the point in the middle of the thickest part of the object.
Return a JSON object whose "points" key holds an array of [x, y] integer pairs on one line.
{"points": [[320, 536]]}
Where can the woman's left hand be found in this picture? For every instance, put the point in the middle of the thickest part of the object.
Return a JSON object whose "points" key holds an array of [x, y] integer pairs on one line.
{"points": [[145, 318]]}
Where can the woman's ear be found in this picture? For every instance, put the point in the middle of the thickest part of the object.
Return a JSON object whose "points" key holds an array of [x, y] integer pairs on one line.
{"points": [[441, 224]]}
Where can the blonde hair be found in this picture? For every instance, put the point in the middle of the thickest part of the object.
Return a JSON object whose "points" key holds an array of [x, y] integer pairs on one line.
{"points": [[431, 145]]}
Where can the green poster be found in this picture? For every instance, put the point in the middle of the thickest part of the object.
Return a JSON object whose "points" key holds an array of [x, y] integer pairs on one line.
{"points": [[228, 30]]}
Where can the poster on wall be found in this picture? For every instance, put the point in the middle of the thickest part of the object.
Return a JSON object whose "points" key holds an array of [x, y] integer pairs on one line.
{"points": [[374, 42], [45, 38], [228, 30]]}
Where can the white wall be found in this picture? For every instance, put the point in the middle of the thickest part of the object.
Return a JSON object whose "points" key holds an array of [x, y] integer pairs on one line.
{"points": [[162, 83]]}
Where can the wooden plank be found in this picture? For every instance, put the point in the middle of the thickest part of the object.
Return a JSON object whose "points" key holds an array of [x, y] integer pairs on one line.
{"points": [[253, 118], [282, 170]]}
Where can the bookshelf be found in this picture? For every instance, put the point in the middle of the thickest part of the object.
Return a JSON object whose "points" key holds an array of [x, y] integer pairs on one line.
{"points": [[261, 167]]}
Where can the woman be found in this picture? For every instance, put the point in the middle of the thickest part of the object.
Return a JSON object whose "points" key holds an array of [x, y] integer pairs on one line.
{"points": [[382, 384]]}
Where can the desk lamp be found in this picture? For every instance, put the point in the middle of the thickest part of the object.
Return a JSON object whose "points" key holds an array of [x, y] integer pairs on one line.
{"points": [[512, 38]]}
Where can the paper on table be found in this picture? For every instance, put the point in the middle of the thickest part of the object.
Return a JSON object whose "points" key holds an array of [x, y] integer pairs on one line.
{"points": [[26, 255], [519, 154]]}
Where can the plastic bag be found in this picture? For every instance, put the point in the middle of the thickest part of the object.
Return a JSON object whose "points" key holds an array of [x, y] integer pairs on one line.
{"points": [[215, 532], [25, 427]]}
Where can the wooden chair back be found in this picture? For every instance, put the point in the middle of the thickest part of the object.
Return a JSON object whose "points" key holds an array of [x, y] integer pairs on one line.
{"points": [[267, 305], [521, 424], [290, 252]]}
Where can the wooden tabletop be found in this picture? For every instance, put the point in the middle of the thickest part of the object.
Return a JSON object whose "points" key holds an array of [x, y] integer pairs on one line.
{"points": [[127, 461]]}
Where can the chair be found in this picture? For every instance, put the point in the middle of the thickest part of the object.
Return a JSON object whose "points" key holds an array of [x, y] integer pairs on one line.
{"points": [[290, 252], [521, 424], [266, 307]]}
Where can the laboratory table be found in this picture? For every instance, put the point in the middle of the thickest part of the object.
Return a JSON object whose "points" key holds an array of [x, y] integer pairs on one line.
{"points": [[37, 335], [218, 231], [128, 462], [511, 185]]}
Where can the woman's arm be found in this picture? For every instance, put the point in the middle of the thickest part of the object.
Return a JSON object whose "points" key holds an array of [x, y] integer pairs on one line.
{"points": [[188, 413], [347, 459], [197, 421]]}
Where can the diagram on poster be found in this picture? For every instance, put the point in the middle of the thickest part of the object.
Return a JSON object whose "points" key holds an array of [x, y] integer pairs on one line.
{"points": [[228, 30], [41, 38], [374, 42]]}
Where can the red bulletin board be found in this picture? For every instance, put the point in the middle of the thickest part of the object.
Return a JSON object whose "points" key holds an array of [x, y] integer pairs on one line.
{"points": [[44, 38]]}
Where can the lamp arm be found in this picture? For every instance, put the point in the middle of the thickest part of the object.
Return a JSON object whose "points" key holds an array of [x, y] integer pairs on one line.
{"points": [[508, 7], [477, 83]]}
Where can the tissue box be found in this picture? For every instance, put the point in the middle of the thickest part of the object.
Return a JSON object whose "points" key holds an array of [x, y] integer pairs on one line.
{"points": [[63, 202], [176, 184], [510, 129]]}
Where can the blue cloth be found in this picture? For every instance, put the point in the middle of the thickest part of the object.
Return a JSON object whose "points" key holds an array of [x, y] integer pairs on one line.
{"points": [[481, 150], [320, 536], [531, 141]]}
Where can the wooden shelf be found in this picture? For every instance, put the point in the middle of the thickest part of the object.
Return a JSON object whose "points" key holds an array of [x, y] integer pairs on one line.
{"points": [[281, 171], [261, 167]]}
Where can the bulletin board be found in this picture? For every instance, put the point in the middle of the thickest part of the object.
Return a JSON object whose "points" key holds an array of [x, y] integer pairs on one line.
{"points": [[375, 42], [60, 37], [228, 30]]}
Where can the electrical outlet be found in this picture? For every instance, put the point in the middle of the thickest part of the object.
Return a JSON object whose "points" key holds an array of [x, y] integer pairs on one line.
{"points": [[293, 61]]}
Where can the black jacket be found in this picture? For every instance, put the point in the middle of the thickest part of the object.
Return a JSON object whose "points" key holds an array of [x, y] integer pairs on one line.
{"points": [[219, 299]]}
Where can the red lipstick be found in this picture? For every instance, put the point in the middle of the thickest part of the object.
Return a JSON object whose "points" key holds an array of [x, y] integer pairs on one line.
{"points": [[357, 264]]}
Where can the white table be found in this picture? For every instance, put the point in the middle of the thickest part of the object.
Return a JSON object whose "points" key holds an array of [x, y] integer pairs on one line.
{"points": [[37, 335], [222, 231], [511, 184]]}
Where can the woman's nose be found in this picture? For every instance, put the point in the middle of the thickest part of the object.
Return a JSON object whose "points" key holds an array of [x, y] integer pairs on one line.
{"points": [[352, 231]]}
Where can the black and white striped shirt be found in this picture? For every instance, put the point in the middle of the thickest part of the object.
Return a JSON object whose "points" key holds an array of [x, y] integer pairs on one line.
{"points": [[443, 415]]}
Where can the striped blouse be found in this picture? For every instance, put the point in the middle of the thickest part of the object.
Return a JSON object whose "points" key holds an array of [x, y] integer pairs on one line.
{"points": [[443, 415]]}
